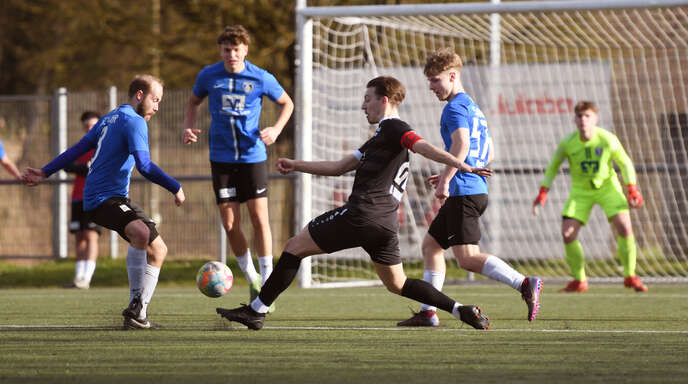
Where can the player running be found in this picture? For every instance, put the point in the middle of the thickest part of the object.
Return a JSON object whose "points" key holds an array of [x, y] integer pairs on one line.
{"points": [[464, 195], [120, 140], [590, 151], [369, 219], [238, 158]]}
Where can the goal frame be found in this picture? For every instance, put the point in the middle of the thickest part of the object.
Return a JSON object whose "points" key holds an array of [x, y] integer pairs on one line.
{"points": [[304, 64]]}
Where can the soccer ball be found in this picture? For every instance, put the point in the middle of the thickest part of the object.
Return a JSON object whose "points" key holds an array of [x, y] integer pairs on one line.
{"points": [[214, 279]]}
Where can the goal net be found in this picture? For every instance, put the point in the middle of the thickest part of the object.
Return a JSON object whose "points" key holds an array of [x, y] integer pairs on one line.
{"points": [[526, 64]]}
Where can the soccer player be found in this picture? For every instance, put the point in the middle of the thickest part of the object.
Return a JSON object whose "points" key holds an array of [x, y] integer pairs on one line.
{"points": [[464, 195], [590, 151], [8, 164], [85, 231], [238, 157], [120, 140], [369, 219]]}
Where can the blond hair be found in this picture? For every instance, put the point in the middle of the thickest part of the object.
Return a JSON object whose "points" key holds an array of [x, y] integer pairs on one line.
{"points": [[441, 60]]}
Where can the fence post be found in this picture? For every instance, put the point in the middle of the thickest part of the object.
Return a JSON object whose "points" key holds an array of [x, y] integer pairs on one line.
{"points": [[58, 138], [113, 235]]}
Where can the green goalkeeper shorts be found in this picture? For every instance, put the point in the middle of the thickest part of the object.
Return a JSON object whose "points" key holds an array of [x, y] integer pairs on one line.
{"points": [[610, 197]]}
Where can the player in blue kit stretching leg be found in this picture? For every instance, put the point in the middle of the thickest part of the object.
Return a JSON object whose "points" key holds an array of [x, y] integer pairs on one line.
{"points": [[120, 140], [238, 157], [464, 195]]}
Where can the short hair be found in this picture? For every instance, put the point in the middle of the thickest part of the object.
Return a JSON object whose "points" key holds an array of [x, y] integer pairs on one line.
{"points": [[585, 105], [234, 35], [88, 115], [390, 87], [441, 60], [143, 83]]}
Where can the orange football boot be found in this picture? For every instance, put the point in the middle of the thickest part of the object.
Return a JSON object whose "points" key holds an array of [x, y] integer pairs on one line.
{"points": [[635, 283], [575, 286]]}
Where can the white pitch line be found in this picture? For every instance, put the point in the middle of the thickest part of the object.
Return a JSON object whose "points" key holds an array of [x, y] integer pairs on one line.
{"points": [[7, 327]]}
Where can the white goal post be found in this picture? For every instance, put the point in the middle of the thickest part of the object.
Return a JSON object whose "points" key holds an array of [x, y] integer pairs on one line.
{"points": [[526, 63]]}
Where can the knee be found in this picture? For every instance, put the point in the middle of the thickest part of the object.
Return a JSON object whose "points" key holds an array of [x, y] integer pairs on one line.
{"points": [[568, 235], [138, 235], [394, 287]]}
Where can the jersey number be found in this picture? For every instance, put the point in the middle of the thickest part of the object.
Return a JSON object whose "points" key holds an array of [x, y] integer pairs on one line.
{"points": [[399, 184], [103, 132], [479, 153]]}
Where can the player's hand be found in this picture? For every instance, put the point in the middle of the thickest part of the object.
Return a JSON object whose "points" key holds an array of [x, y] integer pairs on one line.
{"points": [[484, 172], [189, 135], [540, 200], [179, 197], [635, 199], [269, 135], [33, 176], [285, 165]]}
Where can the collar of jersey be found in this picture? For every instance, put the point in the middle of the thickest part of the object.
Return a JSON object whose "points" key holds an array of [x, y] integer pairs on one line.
{"points": [[387, 118]]}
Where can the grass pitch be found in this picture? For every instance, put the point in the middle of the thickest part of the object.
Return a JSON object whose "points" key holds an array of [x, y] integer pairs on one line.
{"points": [[609, 334]]}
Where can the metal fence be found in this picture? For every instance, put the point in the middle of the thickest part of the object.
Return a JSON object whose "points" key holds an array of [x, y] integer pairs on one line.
{"points": [[33, 221]]}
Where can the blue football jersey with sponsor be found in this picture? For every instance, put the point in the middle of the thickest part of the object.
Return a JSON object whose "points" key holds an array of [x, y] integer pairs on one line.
{"points": [[235, 101], [463, 112], [118, 134]]}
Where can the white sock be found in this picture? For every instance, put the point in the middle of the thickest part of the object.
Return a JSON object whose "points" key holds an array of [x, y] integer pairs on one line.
{"points": [[90, 267], [496, 269], [79, 269], [265, 264], [258, 306], [246, 265], [136, 266], [455, 311], [150, 280], [437, 281]]}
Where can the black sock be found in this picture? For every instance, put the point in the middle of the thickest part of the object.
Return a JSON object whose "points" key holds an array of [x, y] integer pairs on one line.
{"points": [[281, 277], [424, 292]]}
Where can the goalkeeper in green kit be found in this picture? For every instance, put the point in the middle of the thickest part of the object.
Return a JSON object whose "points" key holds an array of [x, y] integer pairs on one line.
{"points": [[590, 151]]}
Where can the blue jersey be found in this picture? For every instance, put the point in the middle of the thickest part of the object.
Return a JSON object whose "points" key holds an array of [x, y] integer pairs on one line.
{"points": [[2, 151], [117, 135], [463, 112], [235, 101]]}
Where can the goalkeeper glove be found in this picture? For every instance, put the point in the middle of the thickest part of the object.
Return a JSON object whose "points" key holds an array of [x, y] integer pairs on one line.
{"points": [[541, 197], [634, 196]]}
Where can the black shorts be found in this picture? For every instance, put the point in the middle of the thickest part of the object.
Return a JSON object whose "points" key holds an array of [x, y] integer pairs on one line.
{"points": [[457, 222], [340, 229], [239, 181], [116, 212], [79, 220]]}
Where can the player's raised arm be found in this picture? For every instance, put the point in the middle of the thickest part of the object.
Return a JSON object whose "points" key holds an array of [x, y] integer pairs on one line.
{"points": [[33, 176], [322, 168], [434, 153]]}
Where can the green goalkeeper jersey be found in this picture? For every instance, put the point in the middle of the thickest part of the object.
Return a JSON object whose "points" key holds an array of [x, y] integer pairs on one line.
{"points": [[591, 161]]}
